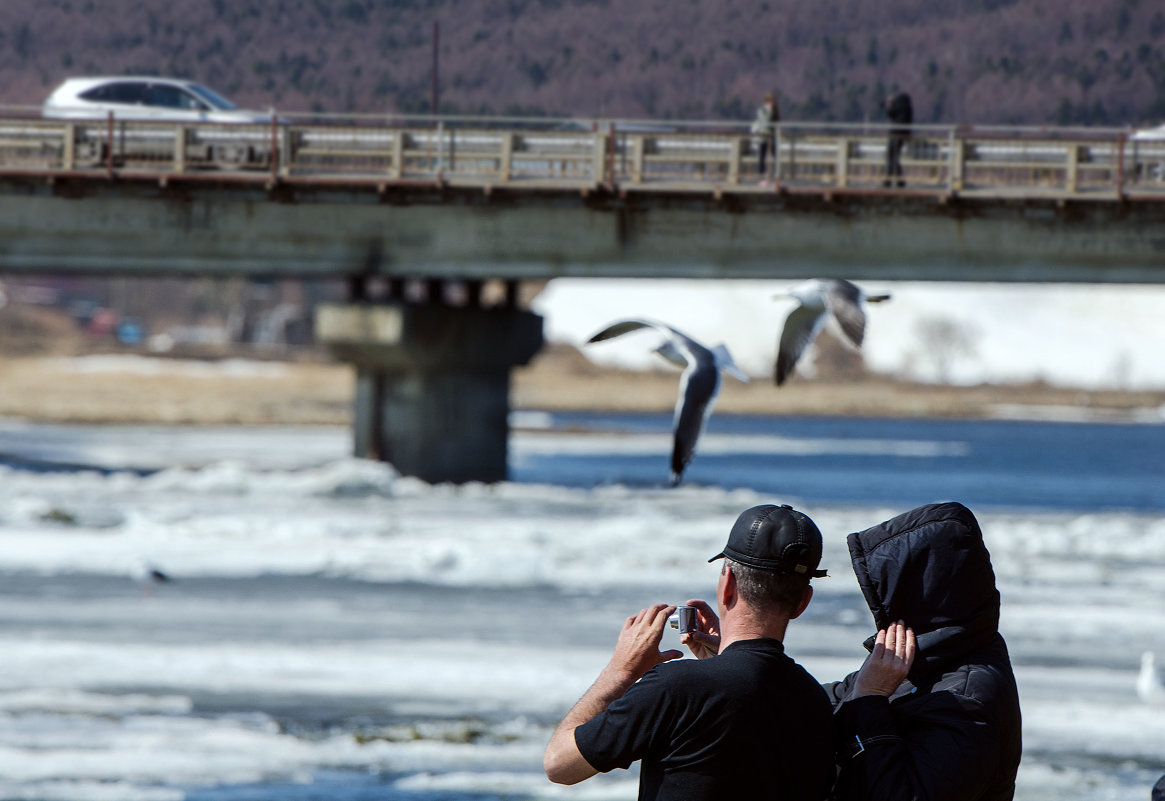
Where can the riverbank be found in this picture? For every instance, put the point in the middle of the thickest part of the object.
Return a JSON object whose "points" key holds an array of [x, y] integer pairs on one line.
{"points": [[242, 389]]}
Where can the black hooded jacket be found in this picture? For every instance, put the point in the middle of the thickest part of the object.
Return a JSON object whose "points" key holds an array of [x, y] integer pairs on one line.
{"points": [[952, 730], [901, 112]]}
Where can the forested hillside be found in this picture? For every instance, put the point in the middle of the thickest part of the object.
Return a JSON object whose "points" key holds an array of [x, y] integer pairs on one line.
{"points": [[982, 61]]}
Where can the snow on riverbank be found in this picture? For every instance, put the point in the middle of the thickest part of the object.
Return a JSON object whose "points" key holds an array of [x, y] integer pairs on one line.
{"points": [[1081, 335]]}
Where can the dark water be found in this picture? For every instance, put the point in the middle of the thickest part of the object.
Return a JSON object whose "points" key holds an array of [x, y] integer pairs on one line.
{"points": [[1001, 465], [985, 464]]}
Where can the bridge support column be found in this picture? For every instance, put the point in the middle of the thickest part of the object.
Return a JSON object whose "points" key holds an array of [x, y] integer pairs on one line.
{"points": [[432, 383]]}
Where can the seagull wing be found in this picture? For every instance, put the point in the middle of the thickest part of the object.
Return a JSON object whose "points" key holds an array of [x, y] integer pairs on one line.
{"points": [[671, 354], [845, 301], [698, 388], [725, 362], [623, 327], [801, 326], [679, 349]]}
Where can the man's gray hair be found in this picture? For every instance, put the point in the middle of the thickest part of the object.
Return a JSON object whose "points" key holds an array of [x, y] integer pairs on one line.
{"points": [[768, 591]]}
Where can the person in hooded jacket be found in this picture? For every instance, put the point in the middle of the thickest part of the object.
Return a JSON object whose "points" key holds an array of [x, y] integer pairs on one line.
{"points": [[900, 112], [934, 713]]}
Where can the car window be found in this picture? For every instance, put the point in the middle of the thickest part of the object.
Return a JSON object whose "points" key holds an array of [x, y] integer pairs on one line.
{"points": [[131, 92], [173, 97], [213, 98]]}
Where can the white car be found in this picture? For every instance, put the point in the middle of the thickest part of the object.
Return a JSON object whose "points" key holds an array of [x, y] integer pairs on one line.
{"points": [[1149, 134], [136, 97]]}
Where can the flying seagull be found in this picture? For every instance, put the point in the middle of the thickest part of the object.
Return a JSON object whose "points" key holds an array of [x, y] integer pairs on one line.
{"points": [[699, 383], [820, 297]]}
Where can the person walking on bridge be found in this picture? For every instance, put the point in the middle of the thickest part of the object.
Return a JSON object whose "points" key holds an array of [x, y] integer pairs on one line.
{"points": [[764, 134], [900, 111]]}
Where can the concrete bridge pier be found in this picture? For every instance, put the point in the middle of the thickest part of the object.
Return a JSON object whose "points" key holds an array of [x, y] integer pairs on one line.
{"points": [[432, 382]]}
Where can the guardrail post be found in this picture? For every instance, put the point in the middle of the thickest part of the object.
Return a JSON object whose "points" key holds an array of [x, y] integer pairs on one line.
{"points": [[284, 155], [505, 163], [842, 168], [610, 166], [599, 158], [1120, 166], [275, 155], [397, 169], [638, 156], [778, 165], [792, 156], [69, 152], [109, 145], [735, 157], [1072, 175], [957, 156], [179, 165]]}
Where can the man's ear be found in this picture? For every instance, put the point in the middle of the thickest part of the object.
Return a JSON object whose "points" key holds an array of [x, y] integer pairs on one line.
{"points": [[726, 590], [803, 605]]}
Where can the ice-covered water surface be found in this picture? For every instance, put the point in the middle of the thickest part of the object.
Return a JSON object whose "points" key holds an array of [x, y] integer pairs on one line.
{"points": [[333, 630]]}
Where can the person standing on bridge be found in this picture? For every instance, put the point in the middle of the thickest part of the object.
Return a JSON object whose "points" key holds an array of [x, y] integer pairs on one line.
{"points": [[743, 720], [764, 134], [901, 114]]}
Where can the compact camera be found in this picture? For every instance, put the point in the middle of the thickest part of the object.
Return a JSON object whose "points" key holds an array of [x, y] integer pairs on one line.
{"points": [[684, 619]]}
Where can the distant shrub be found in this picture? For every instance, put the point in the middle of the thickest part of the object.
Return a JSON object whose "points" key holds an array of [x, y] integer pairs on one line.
{"points": [[22, 40], [354, 11], [534, 71]]}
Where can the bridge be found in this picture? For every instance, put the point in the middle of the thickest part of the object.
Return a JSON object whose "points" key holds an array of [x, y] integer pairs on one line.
{"points": [[382, 201], [481, 198]]}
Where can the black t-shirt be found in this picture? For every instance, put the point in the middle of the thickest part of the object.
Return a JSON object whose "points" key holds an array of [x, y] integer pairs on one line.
{"points": [[749, 723]]}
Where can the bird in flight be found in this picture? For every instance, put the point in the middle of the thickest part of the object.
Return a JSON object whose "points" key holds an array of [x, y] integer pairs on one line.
{"points": [[699, 383], [818, 298]]}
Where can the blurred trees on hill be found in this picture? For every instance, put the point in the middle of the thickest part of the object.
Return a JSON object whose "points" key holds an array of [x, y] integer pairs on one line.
{"points": [[976, 61]]}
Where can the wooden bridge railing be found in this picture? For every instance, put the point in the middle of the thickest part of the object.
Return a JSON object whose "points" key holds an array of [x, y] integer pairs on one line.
{"points": [[1013, 162]]}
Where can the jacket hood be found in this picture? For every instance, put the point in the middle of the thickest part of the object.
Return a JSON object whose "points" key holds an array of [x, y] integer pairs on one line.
{"points": [[930, 568]]}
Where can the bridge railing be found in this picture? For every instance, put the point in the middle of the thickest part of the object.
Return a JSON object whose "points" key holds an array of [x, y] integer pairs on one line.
{"points": [[1021, 161], [628, 155]]}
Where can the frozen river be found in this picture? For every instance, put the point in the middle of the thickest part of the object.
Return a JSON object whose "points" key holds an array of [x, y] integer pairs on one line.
{"points": [[334, 631]]}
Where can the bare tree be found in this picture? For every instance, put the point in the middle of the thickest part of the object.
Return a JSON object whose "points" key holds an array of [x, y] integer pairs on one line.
{"points": [[943, 343]]}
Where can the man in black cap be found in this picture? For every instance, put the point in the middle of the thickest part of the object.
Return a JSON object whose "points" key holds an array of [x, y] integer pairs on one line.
{"points": [[741, 721]]}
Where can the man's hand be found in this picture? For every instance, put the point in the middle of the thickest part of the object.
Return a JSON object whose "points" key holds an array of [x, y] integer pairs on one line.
{"points": [[888, 663], [637, 650], [706, 641]]}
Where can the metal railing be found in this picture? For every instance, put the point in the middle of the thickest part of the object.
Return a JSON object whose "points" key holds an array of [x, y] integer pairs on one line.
{"points": [[1013, 162]]}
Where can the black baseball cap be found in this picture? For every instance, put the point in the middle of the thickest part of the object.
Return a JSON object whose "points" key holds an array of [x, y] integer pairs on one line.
{"points": [[777, 538]]}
